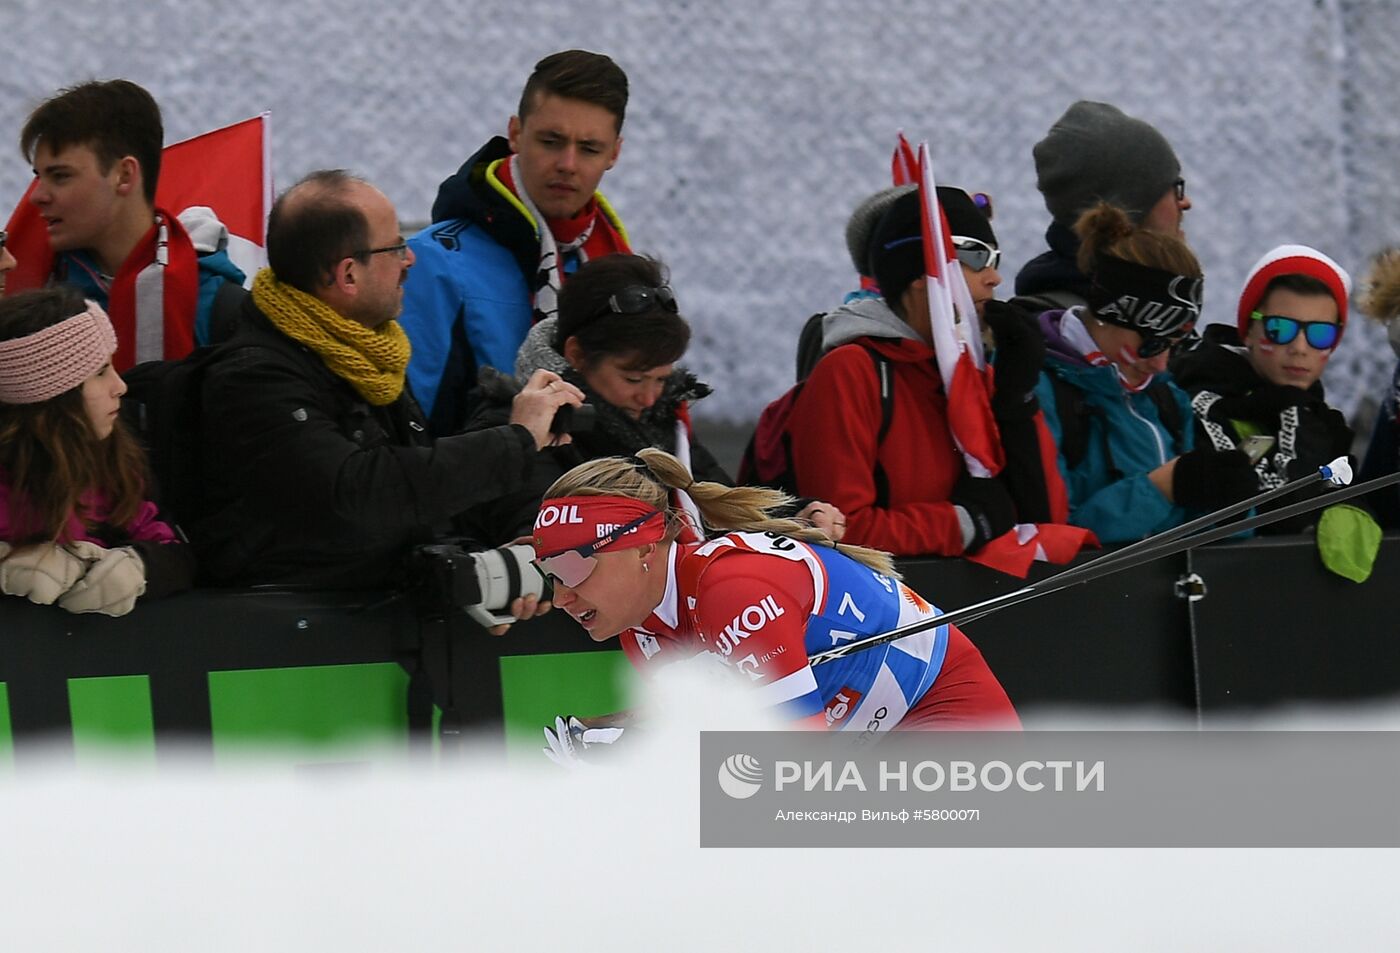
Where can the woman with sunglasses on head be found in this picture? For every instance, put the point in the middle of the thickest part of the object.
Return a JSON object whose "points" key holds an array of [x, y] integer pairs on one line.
{"points": [[1122, 428], [76, 528], [759, 598], [617, 337], [1258, 384]]}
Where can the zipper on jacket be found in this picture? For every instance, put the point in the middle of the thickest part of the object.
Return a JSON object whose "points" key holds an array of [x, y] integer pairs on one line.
{"points": [[1156, 435]]}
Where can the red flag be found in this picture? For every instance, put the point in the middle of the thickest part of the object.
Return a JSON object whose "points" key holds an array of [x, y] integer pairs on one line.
{"points": [[228, 170], [904, 168], [1014, 551]]}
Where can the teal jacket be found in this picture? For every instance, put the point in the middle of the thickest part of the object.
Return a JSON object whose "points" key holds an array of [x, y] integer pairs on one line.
{"points": [[1109, 491]]}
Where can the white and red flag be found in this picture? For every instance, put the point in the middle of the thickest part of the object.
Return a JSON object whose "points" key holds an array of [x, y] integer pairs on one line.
{"points": [[968, 382], [904, 167], [957, 337]]}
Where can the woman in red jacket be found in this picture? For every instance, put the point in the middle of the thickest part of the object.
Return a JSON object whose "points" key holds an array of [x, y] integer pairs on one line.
{"points": [[906, 491]]}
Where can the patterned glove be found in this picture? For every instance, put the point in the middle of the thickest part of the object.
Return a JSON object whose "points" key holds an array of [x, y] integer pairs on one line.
{"points": [[113, 582], [39, 573], [1261, 405], [570, 738]]}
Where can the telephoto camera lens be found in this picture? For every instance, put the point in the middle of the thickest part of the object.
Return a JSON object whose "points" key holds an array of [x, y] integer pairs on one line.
{"points": [[506, 574]]}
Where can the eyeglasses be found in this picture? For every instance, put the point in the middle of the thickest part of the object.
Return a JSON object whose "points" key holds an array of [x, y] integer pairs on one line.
{"points": [[1152, 345], [639, 299], [975, 253], [572, 566], [1180, 187], [1321, 335], [401, 249]]}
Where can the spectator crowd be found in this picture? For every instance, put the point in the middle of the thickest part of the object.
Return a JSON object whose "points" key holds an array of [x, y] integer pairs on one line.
{"points": [[367, 392]]}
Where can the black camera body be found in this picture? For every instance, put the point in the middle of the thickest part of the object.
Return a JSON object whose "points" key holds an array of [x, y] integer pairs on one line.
{"points": [[571, 419], [482, 582]]}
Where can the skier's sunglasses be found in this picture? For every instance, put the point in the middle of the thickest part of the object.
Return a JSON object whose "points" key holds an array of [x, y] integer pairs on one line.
{"points": [[572, 566], [1321, 335], [975, 254]]}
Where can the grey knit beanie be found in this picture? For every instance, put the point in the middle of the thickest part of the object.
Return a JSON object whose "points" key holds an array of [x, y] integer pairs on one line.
{"points": [[1096, 151], [863, 221]]}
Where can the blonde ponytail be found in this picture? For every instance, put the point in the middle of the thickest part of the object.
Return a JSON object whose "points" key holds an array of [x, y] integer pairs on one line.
{"points": [[722, 508]]}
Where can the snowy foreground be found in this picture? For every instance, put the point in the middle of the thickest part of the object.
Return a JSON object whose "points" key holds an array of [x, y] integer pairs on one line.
{"points": [[522, 856]]}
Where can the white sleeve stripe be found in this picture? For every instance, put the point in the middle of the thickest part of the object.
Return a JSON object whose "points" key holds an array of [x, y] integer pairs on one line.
{"points": [[788, 687]]}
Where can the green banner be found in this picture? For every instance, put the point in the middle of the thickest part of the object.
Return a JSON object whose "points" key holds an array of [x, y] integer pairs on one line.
{"points": [[112, 716], [325, 706], [536, 688]]}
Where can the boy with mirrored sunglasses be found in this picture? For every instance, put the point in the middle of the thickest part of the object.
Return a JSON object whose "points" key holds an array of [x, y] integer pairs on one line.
{"points": [[1257, 386]]}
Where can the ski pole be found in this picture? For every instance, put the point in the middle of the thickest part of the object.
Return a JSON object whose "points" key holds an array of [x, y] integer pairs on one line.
{"points": [[1337, 473], [1107, 565]]}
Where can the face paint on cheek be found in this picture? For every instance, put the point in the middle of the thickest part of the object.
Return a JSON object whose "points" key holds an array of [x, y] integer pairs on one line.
{"points": [[1266, 347], [1128, 354]]}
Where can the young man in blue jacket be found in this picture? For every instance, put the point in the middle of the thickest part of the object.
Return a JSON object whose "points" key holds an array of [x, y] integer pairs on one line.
{"points": [[509, 227]]}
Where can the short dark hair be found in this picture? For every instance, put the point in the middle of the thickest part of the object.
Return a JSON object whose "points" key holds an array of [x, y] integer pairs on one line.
{"points": [[650, 339], [309, 234], [1299, 284], [577, 74], [115, 118]]}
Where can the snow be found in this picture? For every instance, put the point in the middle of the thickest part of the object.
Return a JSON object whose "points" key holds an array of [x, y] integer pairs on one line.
{"points": [[484, 855]]}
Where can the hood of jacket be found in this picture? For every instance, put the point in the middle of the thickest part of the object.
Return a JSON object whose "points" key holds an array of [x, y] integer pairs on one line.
{"points": [[464, 193], [467, 195], [1056, 269], [865, 317], [538, 352], [210, 239], [1063, 360]]}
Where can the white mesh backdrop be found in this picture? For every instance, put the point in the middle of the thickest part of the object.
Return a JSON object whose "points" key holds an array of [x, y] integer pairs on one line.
{"points": [[754, 128]]}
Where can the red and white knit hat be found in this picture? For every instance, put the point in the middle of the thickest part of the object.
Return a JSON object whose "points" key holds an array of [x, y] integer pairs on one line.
{"points": [[1293, 260]]}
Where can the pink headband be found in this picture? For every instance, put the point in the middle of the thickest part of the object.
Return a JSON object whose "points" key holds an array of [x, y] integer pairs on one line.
{"points": [[56, 359]]}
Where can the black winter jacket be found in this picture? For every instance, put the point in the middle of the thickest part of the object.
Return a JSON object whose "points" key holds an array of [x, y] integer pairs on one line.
{"points": [[1230, 399], [306, 483], [615, 434]]}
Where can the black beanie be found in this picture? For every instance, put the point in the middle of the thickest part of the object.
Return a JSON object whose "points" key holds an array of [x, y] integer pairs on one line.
{"points": [[897, 245]]}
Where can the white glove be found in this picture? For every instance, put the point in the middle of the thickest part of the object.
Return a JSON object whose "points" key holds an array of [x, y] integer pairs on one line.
{"points": [[570, 738], [113, 582], [39, 573]]}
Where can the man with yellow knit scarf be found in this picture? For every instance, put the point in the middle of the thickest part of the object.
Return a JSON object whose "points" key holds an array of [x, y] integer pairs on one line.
{"points": [[316, 459]]}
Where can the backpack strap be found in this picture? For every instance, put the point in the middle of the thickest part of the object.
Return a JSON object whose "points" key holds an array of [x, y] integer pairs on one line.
{"points": [[1074, 429], [809, 346], [1168, 410], [223, 314], [884, 375]]}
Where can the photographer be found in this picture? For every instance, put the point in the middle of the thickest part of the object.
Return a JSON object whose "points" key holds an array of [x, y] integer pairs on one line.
{"points": [[618, 337], [315, 457]]}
